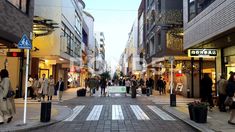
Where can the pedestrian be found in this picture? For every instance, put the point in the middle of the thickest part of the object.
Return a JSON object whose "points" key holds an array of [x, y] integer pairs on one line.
{"points": [[60, 88], [164, 86], [206, 85], [231, 92], [160, 85], [134, 86], [30, 87], [149, 85], [151, 81], [7, 104], [51, 88], [43, 90], [36, 86], [103, 85], [128, 86], [92, 84], [222, 85]]}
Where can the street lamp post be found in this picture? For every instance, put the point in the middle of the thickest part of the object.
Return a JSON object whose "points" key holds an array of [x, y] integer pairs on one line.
{"points": [[172, 95]]}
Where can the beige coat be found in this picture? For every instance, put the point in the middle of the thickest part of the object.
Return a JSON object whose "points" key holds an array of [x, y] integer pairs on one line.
{"points": [[7, 108], [51, 88], [43, 89]]}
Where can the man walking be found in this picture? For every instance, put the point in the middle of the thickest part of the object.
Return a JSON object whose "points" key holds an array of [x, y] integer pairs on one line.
{"points": [[60, 88], [222, 85]]}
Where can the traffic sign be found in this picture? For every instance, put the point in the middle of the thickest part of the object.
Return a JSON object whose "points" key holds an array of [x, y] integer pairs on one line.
{"points": [[24, 43]]}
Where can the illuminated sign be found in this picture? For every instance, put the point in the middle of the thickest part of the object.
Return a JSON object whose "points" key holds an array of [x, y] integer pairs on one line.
{"points": [[15, 54], [202, 52]]}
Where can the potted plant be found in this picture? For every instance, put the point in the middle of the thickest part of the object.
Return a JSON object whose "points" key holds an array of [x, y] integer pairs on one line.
{"points": [[198, 111]]}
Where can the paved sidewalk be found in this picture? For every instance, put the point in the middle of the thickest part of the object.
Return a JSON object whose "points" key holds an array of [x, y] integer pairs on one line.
{"points": [[217, 121], [58, 114]]}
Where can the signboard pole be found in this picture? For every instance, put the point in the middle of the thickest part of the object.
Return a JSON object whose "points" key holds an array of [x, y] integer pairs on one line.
{"points": [[26, 86]]}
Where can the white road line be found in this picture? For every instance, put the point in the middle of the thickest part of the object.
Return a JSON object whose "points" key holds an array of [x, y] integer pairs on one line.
{"points": [[76, 111], [139, 113], [95, 113], [161, 113], [117, 113]]}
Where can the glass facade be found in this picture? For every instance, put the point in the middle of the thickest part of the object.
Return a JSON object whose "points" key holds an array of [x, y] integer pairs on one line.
{"points": [[197, 6]]}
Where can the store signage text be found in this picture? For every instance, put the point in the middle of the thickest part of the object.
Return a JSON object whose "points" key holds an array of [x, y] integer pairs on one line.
{"points": [[202, 52]]}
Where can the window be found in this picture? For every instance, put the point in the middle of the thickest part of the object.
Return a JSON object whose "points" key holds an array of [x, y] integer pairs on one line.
{"points": [[78, 24], [197, 6], [20, 4]]}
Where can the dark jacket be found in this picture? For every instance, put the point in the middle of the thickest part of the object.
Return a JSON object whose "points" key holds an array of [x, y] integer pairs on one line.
{"points": [[231, 89], [61, 88], [206, 87], [103, 84], [160, 83]]}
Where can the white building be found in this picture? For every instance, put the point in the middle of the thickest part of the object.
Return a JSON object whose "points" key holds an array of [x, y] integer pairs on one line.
{"points": [[89, 20], [60, 50], [100, 59], [132, 56]]}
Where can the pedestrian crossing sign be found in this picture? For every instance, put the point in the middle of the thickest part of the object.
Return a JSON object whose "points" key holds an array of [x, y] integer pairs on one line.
{"points": [[24, 43]]}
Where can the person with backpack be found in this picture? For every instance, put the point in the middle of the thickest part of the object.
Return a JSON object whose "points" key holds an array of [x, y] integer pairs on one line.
{"points": [[103, 85]]}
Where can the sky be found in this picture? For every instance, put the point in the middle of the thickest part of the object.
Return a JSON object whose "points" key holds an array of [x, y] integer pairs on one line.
{"points": [[115, 18]]}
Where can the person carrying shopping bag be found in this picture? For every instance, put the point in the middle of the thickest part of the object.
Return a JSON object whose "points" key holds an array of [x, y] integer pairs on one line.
{"points": [[7, 105]]}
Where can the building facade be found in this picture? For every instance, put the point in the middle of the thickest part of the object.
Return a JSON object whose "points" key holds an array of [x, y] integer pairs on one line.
{"points": [[16, 20], [163, 39], [60, 53], [208, 24], [100, 56]]}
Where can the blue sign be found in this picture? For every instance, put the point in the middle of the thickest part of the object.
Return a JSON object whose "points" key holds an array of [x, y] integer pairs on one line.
{"points": [[24, 43]]}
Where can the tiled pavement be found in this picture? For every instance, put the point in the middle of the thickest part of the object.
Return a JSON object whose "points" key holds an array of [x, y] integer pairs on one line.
{"points": [[106, 123]]}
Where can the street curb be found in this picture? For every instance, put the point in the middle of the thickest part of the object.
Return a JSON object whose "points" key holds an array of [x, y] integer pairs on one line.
{"points": [[42, 124], [183, 117]]}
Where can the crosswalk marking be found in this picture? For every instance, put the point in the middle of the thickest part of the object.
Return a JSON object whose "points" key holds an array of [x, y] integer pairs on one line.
{"points": [[117, 112], [95, 113], [139, 113], [76, 111], [161, 113]]}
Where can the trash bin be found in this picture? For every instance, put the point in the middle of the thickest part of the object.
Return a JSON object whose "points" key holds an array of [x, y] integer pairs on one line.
{"points": [[133, 92], [45, 112]]}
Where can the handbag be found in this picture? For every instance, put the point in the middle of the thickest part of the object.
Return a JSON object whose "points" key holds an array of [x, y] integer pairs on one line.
{"points": [[228, 101], [10, 93]]}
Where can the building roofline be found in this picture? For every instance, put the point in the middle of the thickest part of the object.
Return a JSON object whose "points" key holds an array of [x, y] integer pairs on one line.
{"points": [[88, 14]]}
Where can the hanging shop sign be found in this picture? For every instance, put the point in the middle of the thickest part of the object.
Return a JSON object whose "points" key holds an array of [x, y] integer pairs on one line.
{"points": [[202, 52]]}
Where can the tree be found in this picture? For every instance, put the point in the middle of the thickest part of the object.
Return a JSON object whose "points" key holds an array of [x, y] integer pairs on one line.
{"points": [[105, 75]]}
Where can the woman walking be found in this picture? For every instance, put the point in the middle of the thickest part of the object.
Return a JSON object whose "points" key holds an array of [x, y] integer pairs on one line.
{"points": [[51, 88], [7, 104], [230, 92]]}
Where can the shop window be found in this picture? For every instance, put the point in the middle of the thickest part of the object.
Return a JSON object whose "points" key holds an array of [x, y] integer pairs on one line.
{"points": [[20, 4]]}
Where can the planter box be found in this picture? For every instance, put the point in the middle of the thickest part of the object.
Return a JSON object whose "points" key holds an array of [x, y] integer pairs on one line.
{"points": [[191, 112], [198, 113]]}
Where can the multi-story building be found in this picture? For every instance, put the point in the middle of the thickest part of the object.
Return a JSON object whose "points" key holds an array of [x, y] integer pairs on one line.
{"points": [[141, 36], [164, 38], [209, 30], [89, 20], [131, 52], [59, 54], [100, 57], [16, 20]]}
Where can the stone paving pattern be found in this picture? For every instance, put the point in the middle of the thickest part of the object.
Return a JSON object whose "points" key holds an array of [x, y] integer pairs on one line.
{"points": [[105, 122]]}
